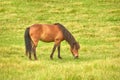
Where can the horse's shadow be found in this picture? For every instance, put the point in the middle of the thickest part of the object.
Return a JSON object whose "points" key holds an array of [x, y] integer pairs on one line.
{"points": [[70, 59]]}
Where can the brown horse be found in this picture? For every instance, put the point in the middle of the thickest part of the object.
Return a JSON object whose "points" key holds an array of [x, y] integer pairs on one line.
{"points": [[49, 33]]}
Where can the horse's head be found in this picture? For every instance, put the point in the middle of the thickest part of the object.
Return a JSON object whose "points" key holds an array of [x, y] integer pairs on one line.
{"points": [[74, 49]]}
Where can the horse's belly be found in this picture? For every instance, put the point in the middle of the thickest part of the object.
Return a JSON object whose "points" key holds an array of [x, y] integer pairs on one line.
{"points": [[47, 38], [50, 35]]}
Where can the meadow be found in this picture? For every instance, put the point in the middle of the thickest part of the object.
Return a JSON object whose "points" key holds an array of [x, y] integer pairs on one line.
{"points": [[94, 23]]}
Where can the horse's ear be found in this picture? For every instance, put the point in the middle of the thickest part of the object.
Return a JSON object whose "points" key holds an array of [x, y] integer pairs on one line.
{"points": [[73, 45], [76, 45]]}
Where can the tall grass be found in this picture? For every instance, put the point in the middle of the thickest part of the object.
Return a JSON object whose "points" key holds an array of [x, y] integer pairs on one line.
{"points": [[94, 23]]}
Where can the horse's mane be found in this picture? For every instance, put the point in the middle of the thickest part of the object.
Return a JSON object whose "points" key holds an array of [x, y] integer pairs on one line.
{"points": [[68, 36]]}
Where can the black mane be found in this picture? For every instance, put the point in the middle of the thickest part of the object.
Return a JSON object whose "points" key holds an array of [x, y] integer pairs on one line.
{"points": [[68, 36]]}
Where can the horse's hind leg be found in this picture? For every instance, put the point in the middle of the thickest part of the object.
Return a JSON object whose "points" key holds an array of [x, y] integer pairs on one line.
{"points": [[34, 53], [30, 55], [26, 53], [34, 45]]}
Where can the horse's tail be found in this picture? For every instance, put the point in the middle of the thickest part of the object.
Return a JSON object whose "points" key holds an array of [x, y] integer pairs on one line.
{"points": [[28, 44]]}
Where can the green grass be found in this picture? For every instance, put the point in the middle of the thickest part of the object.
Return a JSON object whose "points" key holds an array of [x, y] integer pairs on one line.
{"points": [[94, 23]]}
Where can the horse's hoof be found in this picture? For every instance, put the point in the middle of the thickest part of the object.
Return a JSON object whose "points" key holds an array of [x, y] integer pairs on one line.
{"points": [[30, 58], [36, 59], [51, 58], [60, 57]]}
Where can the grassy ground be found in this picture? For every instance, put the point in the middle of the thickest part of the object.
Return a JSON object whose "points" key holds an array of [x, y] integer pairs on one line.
{"points": [[94, 23]]}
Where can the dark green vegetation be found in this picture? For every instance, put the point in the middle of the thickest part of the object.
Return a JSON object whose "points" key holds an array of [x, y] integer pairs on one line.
{"points": [[94, 23]]}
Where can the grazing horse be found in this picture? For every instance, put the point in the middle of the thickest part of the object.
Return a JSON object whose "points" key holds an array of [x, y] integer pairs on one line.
{"points": [[49, 33]]}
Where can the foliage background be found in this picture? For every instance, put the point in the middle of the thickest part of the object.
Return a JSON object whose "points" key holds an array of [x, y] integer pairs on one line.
{"points": [[94, 23]]}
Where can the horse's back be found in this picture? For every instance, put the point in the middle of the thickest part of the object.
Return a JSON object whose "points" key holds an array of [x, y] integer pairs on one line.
{"points": [[46, 32]]}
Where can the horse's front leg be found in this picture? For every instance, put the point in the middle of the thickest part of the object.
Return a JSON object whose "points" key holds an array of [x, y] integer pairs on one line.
{"points": [[59, 52], [54, 48]]}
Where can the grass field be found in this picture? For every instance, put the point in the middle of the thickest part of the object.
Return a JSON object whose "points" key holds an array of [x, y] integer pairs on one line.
{"points": [[94, 23]]}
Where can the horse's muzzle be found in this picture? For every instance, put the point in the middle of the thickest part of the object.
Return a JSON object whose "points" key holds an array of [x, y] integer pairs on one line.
{"points": [[76, 57]]}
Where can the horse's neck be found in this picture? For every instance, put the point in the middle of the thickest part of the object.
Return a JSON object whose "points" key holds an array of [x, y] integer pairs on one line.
{"points": [[67, 35], [71, 41]]}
